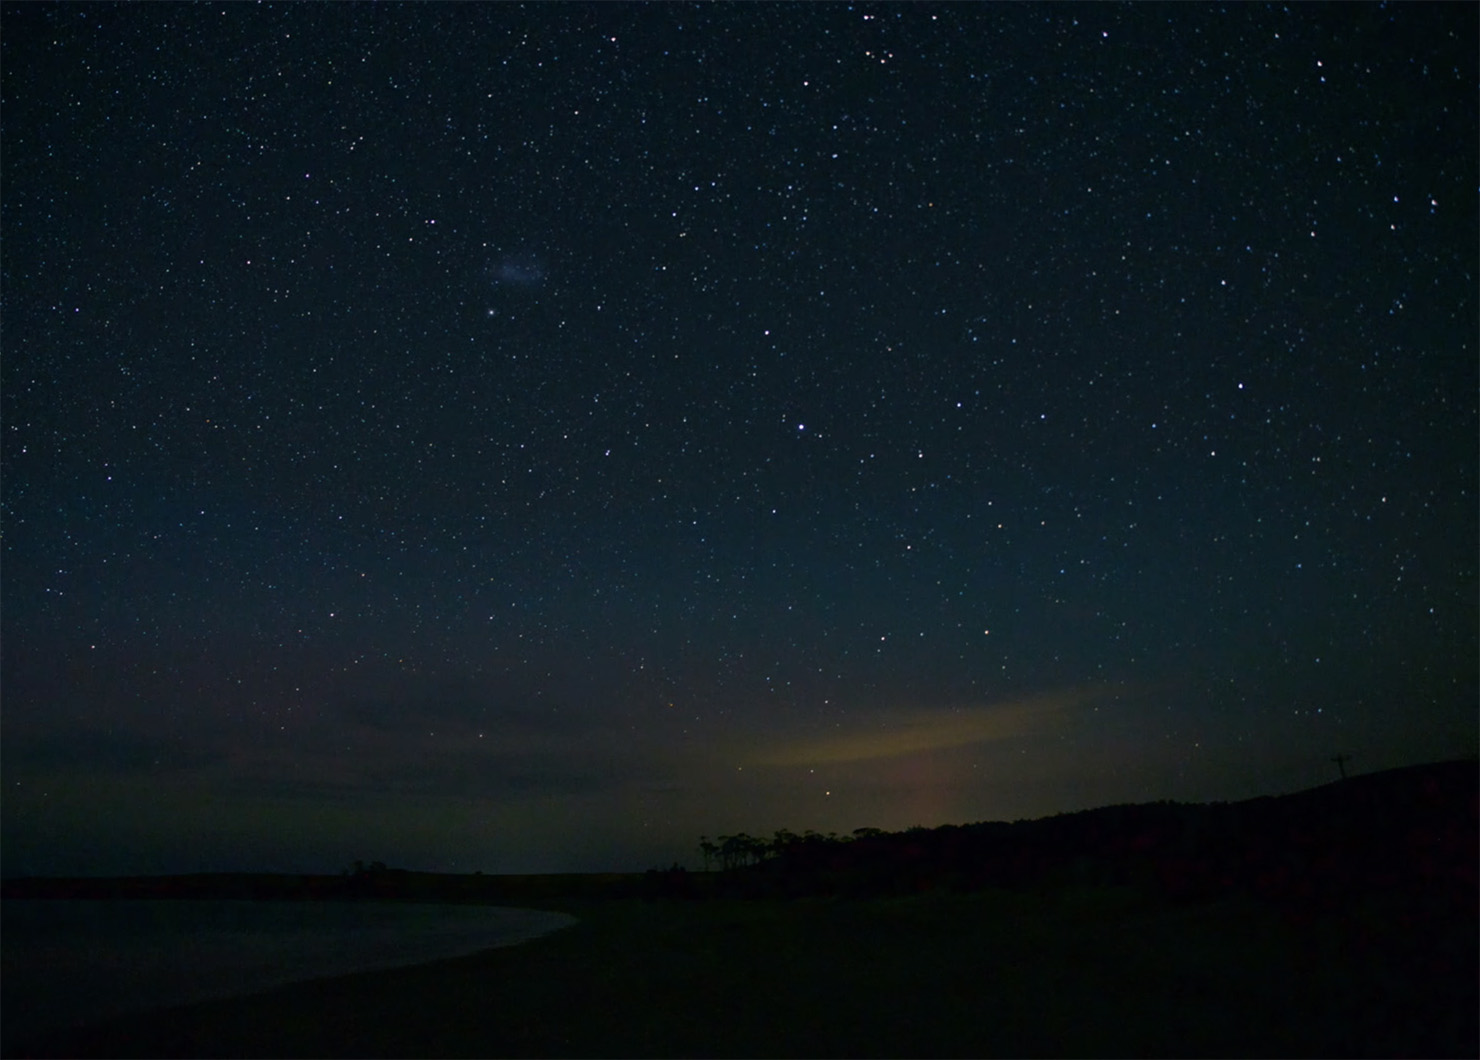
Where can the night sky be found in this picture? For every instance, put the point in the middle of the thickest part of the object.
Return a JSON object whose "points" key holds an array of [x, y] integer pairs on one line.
{"points": [[528, 437]]}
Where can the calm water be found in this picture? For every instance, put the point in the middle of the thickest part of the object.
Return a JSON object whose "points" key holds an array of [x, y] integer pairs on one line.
{"points": [[66, 963]]}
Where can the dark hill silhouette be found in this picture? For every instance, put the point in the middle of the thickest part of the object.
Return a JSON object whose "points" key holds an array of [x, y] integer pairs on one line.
{"points": [[1403, 841], [1406, 836]]}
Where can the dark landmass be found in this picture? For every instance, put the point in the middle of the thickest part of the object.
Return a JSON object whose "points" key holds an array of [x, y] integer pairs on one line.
{"points": [[1340, 921], [1406, 835], [1401, 833]]}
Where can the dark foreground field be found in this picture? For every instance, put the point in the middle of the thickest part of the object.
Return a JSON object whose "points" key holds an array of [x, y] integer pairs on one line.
{"points": [[1086, 972], [1340, 921]]}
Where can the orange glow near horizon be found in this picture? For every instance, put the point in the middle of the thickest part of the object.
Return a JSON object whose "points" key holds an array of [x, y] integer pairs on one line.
{"points": [[898, 733]]}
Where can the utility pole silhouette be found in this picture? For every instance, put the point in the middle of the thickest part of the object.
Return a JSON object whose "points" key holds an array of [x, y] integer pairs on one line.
{"points": [[1341, 761]]}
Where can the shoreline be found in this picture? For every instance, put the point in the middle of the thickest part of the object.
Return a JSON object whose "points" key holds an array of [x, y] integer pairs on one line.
{"points": [[70, 964], [1078, 971]]}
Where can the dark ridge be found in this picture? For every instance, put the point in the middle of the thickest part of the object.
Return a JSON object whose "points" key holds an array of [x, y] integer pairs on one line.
{"points": [[1401, 835], [1405, 836]]}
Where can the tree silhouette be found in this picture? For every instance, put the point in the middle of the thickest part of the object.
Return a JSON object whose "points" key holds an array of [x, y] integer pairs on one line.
{"points": [[739, 850], [784, 842], [727, 852]]}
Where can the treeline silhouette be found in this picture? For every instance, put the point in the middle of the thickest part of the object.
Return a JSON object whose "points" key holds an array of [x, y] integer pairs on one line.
{"points": [[1404, 837]]}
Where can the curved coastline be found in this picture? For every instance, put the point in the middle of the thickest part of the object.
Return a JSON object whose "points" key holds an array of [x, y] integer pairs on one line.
{"points": [[68, 964]]}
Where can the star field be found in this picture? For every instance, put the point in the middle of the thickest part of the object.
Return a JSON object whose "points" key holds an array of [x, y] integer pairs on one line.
{"points": [[526, 437]]}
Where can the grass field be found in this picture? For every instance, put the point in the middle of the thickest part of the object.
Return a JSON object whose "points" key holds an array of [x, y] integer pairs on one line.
{"points": [[1071, 973]]}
